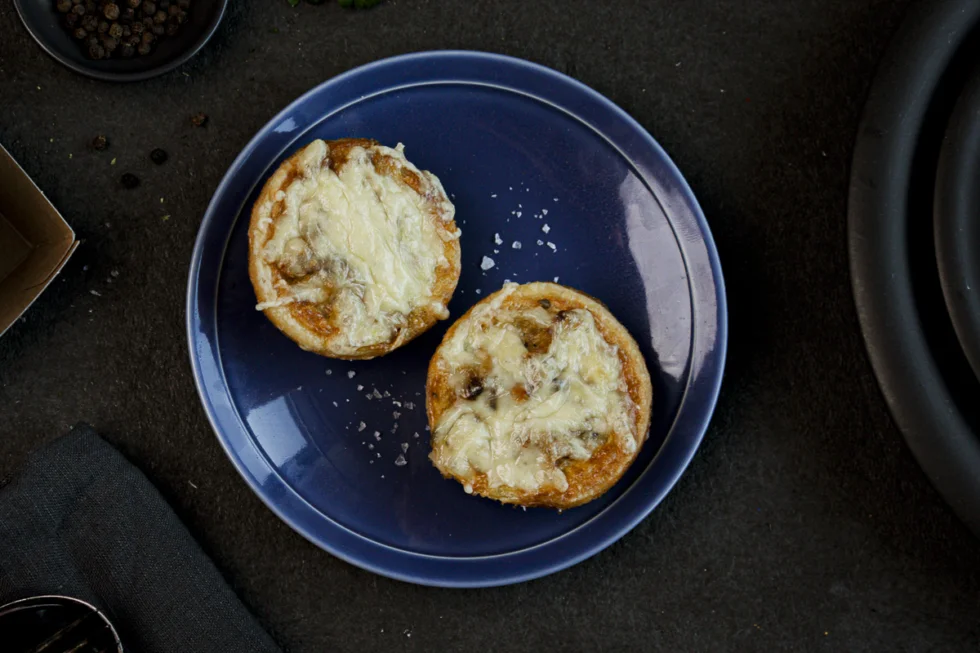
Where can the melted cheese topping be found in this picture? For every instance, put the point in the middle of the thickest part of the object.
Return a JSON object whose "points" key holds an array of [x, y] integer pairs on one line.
{"points": [[530, 411], [362, 241]]}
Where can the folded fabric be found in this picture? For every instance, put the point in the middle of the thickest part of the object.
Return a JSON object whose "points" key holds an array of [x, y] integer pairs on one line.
{"points": [[80, 520]]}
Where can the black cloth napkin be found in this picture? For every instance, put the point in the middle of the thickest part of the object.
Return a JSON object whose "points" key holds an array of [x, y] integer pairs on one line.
{"points": [[80, 520]]}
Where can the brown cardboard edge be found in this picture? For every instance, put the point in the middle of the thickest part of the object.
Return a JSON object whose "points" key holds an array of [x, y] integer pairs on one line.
{"points": [[67, 234], [40, 289]]}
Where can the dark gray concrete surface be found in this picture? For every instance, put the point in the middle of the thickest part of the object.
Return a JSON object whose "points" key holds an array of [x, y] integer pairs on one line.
{"points": [[803, 523]]}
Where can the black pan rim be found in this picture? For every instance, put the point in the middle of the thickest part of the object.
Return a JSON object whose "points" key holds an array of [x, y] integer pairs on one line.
{"points": [[957, 207], [913, 387]]}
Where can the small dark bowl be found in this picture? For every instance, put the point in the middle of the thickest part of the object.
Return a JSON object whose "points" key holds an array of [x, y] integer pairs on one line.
{"points": [[56, 624], [45, 24]]}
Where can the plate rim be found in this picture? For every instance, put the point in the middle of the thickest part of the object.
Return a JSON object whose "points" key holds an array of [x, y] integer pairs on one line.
{"points": [[908, 376], [705, 380]]}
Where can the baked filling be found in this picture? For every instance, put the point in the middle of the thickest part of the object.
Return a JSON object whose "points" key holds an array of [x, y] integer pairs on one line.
{"points": [[536, 389], [355, 241]]}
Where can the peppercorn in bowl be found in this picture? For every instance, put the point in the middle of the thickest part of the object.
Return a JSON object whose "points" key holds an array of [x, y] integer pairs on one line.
{"points": [[121, 40]]}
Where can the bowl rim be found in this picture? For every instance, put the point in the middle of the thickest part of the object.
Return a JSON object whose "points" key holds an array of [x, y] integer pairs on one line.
{"points": [[108, 76]]}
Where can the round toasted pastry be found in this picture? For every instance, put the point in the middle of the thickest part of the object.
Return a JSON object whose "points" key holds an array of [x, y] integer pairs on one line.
{"points": [[537, 396], [353, 251]]}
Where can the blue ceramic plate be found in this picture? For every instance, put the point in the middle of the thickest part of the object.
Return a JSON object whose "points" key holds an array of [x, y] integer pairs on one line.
{"points": [[551, 181]]}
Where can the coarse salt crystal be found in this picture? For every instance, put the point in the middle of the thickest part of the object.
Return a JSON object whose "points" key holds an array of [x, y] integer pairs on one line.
{"points": [[518, 214], [409, 405], [486, 263], [496, 239], [335, 404], [359, 387], [377, 435], [477, 291], [404, 446], [556, 279], [552, 246], [544, 211], [329, 372], [540, 243], [546, 228], [350, 375], [361, 427], [396, 414], [400, 461]]}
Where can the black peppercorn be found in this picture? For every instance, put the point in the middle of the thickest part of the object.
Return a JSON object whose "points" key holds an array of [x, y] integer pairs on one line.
{"points": [[100, 142], [96, 51], [148, 22], [158, 30], [78, 10], [127, 15], [199, 119], [181, 17], [144, 48], [172, 26], [76, 2], [116, 30], [80, 33], [90, 6], [163, 4], [160, 17], [127, 51], [91, 40], [71, 19], [158, 156], [110, 44], [133, 4], [129, 180], [148, 37], [110, 10], [184, 4], [64, 6], [136, 28], [90, 23], [103, 27], [149, 8], [173, 10]]}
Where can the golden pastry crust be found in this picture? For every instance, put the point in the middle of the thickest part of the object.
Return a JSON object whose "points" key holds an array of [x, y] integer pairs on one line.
{"points": [[319, 326], [586, 479]]}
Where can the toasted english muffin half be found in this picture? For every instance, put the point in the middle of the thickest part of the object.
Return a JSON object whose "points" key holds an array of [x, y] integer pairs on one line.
{"points": [[353, 251], [537, 396]]}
